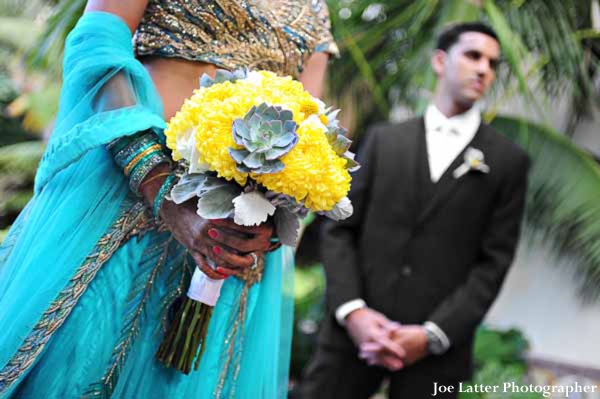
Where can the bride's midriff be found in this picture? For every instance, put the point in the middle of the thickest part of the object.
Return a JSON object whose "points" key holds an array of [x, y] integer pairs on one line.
{"points": [[175, 79]]}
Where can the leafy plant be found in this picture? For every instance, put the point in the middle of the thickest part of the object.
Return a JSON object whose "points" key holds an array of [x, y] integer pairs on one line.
{"points": [[549, 46], [494, 373], [309, 289], [18, 164], [499, 358]]}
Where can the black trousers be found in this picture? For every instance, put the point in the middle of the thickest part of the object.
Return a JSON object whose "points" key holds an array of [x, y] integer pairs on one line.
{"points": [[335, 374]]}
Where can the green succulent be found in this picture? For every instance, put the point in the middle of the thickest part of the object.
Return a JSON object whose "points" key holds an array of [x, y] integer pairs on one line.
{"points": [[336, 135], [266, 134], [223, 75]]}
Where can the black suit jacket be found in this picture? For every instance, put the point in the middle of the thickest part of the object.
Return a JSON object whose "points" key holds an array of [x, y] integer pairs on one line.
{"points": [[414, 257]]}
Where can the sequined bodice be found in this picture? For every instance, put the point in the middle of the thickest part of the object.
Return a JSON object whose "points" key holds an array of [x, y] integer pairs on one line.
{"points": [[276, 35]]}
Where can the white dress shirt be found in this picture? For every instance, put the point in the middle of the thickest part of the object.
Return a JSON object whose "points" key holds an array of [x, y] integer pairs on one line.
{"points": [[446, 138]]}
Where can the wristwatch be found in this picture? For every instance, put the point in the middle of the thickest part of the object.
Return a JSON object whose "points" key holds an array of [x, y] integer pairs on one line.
{"points": [[435, 346]]}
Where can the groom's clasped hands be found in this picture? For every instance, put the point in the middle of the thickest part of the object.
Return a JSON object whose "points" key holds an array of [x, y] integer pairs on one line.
{"points": [[386, 343]]}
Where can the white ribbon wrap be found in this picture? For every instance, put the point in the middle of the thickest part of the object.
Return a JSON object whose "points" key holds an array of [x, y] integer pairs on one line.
{"points": [[204, 289]]}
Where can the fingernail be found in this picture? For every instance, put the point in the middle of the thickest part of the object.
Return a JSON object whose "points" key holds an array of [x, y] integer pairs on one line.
{"points": [[222, 270], [213, 233], [217, 250]]}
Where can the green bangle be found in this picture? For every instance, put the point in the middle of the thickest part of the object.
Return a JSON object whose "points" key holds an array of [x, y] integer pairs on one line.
{"points": [[124, 163], [161, 195], [133, 147], [152, 153], [125, 146], [142, 170]]}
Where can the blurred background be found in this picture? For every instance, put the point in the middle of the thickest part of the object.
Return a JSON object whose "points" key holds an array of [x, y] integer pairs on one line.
{"points": [[544, 327]]}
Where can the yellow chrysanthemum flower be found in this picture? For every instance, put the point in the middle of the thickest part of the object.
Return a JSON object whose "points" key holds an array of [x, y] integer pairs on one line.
{"points": [[313, 172]]}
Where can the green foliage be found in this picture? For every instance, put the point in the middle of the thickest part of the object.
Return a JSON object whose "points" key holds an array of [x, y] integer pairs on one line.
{"points": [[562, 199], [499, 358], [503, 347], [548, 47], [21, 159], [17, 32], [3, 234], [27, 96], [13, 201], [309, 289], [50, 45], [494, 373], [18, 164]]}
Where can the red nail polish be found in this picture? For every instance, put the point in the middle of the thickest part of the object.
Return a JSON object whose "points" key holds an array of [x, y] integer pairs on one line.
{"points": [[217, 250], [213, 233], [222, 271]]}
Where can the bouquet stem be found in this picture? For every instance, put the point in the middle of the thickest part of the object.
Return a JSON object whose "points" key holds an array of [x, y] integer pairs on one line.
{"points": [[186, 335]]}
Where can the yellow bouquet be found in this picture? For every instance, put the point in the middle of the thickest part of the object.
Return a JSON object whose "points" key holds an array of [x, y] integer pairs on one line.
{"points": [[254, 145]]}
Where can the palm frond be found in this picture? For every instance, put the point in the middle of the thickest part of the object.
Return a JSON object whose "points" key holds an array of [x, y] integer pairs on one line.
{"points": [[18, 32], [560, 34], [3, 234], [550, 49], [562, 199], [21, 158], [19, 8], [48, 51]]}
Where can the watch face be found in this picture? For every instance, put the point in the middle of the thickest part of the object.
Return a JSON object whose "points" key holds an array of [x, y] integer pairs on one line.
{"points": [[434, 345]]}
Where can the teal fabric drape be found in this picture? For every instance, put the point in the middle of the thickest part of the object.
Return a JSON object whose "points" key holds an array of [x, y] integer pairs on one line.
{"points": [[110, 326]]}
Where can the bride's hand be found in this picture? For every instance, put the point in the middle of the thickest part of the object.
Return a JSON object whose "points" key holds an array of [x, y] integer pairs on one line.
{"points": [[226, 244]]}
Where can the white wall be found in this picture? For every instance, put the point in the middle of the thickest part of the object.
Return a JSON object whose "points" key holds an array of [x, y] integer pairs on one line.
{"points": [[540, 299]]}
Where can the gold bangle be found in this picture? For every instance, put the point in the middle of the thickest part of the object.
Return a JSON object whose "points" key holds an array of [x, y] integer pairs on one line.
{"points": [[154, 178], [274, 246], [135, 160]]}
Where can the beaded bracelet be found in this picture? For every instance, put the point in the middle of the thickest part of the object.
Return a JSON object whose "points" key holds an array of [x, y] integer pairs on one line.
{"points": [[162, 194], [142, 169], [124, 149], [142, 157], [137, 155], [128, 148]]}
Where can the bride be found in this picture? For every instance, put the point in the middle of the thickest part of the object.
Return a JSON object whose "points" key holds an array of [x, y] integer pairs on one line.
{"points": [[91, 268]]}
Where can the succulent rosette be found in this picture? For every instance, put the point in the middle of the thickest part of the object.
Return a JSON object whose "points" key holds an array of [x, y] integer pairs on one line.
{"points": [[255, 145], [266, 134]]}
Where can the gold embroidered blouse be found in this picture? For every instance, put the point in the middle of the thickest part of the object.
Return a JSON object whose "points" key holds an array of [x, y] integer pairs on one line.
{"points": [[276, 35]]}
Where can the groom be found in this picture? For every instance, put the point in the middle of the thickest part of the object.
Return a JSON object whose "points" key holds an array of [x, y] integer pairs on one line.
{"points": [[437, 211]]}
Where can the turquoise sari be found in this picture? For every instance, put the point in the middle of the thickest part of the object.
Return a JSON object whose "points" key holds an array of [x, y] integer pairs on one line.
{"points": [[87, 278]]}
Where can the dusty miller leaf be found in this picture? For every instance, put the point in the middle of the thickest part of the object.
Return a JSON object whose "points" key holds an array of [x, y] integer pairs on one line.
{"points": [[252, 209]]}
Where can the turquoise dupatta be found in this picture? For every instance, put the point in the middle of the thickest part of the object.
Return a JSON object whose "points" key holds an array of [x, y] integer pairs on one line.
{"points": [[50, 345]]}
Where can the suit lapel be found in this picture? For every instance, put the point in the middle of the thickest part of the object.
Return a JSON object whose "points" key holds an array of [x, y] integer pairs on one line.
{"points": [[447, 183]]}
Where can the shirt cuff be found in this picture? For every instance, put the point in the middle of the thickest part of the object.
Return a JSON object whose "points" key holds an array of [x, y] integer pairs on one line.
{"points": [[439, 333], [345, 309]]}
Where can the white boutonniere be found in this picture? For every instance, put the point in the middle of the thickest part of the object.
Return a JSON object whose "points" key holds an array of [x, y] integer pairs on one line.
{"points": [[474, 161]]}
